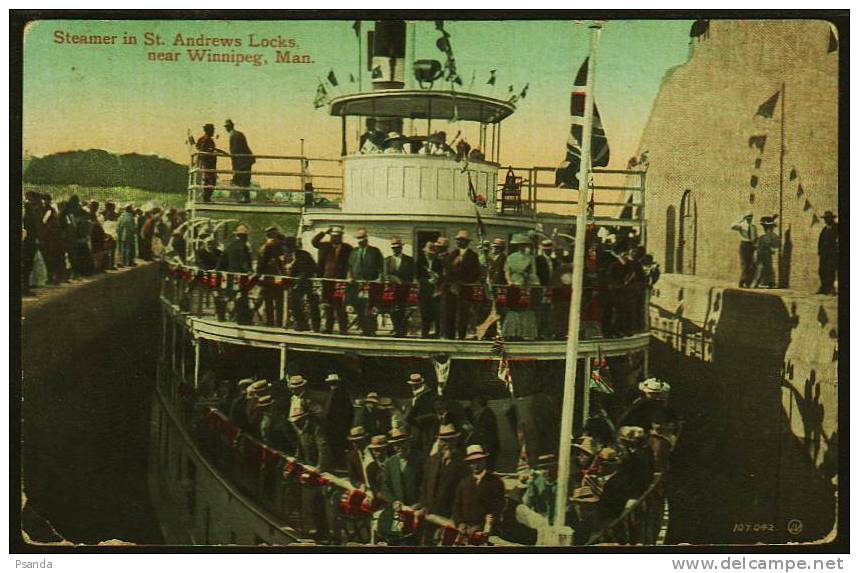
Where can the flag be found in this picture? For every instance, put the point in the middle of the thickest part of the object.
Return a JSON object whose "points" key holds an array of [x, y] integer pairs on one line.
{"points": [[814, 219], [767, 108], [792, 173], [321, 98], [491, 80], [758, 163], [597, 381], [799, 191], [753, 182], [356, 25], [807, 205], [351, 78], [524, 91], [758, 141], [833, 41], [332, 79], [377, 72], [510, 88], [567, 174]]}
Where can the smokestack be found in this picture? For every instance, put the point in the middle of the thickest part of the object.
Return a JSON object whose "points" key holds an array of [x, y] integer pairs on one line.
{"points": [[389, 55]]}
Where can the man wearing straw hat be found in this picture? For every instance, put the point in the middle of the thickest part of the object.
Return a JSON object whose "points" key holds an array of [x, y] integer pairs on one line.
{"points": [[332, 264], [479, 498], [444, 470], [365, 264], [429, 272], [358, 458], [421, 416], [401, 481], [461, 270], [304, 415], [399, 269]]}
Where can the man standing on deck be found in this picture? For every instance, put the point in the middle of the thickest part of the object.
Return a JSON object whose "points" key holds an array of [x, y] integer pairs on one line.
{"points": [[270, 262], [429, 273], [400, 270], [421, 418], [479, 498], [444, 470], [207, 161], [827, 250], [242, 164], [461, 270], [748, 238], [236, 258], [365, 264], [332, 264], [300, 265]]}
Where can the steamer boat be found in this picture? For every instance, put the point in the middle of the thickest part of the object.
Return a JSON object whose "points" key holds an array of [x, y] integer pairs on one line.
{"points": [[215, 482]]}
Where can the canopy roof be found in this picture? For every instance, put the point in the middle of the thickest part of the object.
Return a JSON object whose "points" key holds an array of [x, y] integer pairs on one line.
{"points": [[423, 104]]}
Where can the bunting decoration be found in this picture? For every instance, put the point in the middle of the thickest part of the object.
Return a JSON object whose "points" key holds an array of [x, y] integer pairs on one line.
{"points": [[332, 78], [799, 191], [807, 205], [597, 381], [524, 91], [758, 141], [474, 197], [321, 99], [491, 80], [814, 219], [767, 108], [792, 175], [567, 174], [753, 182]]}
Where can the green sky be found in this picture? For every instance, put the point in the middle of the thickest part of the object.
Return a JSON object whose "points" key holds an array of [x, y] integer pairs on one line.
{"points": [[112, 97]]}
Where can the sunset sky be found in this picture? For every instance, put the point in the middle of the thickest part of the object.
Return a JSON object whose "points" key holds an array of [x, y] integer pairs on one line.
{"points": [[80, 96]]}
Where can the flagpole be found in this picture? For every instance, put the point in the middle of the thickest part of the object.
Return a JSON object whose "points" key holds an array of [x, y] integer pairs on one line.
{"points": [[572, 350], [781, 277], [360, 57]]}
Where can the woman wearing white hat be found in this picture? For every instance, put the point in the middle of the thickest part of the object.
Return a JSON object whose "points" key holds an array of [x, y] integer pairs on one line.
{"points": [[520, 269]]}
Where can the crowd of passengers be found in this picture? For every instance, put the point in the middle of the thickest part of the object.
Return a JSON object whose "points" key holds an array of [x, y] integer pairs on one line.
{"points": [[432, 455], [452, 287], [373, 140], [77, 239]]}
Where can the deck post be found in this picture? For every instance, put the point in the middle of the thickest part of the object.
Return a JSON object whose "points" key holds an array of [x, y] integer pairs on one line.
{"points": [[197, 344], [572, 353], [282, 361]]}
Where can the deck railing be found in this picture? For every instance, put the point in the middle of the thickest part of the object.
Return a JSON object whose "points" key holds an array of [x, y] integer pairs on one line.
{"points": [[298, 304], [283, 180], [615, 194]]}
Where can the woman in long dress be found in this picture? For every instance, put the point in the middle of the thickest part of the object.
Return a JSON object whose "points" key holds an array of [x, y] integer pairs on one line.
{"points": [[520, 269]]}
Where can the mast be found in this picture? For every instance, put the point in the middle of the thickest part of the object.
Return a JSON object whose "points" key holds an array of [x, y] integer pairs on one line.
{"points": [[572, 350]]}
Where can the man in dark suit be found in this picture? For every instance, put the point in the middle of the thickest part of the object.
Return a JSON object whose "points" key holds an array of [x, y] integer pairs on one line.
{"points": [[444, 470], [420, 416], [461, 268], [332, 263], [270, 262], [236, 258], [243, 163], [365, 264], [300, 265], [827, 250], [400, 269], [479, 499], [429, 272], [401, 480]]}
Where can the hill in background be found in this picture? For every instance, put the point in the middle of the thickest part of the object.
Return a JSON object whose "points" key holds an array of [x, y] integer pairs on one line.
{"points": [[99, 168]]}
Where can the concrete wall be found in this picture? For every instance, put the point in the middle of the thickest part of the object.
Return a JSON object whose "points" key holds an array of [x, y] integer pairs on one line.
{"points": [[755, 377], [697, 139], [89, 358]]}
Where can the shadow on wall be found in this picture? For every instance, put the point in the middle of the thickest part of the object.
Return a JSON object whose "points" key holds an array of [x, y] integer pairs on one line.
{"points": [[740, 475]]}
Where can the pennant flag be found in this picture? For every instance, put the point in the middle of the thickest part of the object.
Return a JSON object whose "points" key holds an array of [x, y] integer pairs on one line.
{"points": [[491, 81], [814, 219], [751, 198], [377, 72], [767, 108], [758, 141], [799, 191], [833, 41], [510, 88], [792, 173], [332, 79], [321, 96], [807, 205], [351, 78], [356, 25], [524, 91], [567, 174], [753, 182], [513, 99], [758, 163]]}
